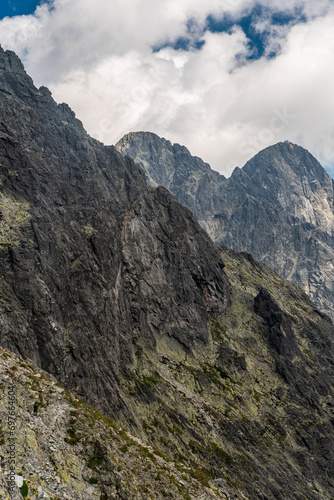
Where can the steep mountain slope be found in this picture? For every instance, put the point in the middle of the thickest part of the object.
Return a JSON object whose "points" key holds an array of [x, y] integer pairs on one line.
{"points": [[252, 418], [92, 260], [279, 206], [220, 379], [66, 449]]}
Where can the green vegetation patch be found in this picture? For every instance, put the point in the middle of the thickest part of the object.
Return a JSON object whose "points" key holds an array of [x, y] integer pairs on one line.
{"points": [[217, 330], [203, 476], [151, 380], [13, 215], [195, 446], [222, 454], [94, 462], [39, 404], [146, 452], [216, 374], [73, 439], [24, 489]]}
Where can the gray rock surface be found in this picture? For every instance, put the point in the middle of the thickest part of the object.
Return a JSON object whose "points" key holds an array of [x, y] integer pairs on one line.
{"points": [[92, 260], [187, 177], [279, 206]]}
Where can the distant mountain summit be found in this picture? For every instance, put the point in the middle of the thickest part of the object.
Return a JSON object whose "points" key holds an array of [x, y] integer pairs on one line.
{"points": [[279, 206], [187, 177]]}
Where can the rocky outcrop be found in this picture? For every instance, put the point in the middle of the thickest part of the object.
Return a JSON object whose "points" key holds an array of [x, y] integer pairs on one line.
{"points": [[279, 206], [279, 332]]}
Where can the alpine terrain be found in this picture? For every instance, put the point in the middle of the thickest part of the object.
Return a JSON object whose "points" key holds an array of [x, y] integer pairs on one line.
{"points": [[138, 360], [279, 206]]}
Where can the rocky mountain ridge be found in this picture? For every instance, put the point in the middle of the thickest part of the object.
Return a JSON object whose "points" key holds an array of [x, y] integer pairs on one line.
{"points": [[209, 376], [93, 237], [279, 206]]}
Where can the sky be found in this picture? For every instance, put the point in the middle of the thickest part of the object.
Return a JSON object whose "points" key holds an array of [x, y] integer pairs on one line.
{"points": [[17, 7], [225, 78]]}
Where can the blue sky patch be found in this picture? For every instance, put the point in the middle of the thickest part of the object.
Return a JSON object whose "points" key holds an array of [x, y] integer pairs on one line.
{"points": [[246, 23], [184, 43], [181, 43], [258, 40], [18, 7], [330, 169]]}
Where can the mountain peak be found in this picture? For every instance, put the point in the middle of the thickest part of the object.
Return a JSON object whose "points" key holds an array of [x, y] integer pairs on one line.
{"points": [[161, 159], [148, 140], [13, 77], [285, 159], [171, 165], [11, 63], [279, 207]]}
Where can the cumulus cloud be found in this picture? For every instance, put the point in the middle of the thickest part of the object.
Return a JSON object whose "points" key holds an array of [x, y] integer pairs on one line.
{"points": [[224, 106]]}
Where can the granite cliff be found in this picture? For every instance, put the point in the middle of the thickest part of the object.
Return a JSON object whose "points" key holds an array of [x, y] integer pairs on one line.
{"points": [[279, 206], [145, 362], [89, 251]]}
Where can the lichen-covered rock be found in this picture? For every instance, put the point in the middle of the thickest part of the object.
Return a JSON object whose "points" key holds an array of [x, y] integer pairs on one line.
{"points": [[65, 449], [7, 491]]}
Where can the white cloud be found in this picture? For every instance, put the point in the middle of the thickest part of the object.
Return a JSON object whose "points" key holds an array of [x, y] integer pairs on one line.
{"points": [[98, 57]]}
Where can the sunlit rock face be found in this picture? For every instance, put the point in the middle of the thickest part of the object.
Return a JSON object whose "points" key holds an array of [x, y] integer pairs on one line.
{"points": [[279, 206]]}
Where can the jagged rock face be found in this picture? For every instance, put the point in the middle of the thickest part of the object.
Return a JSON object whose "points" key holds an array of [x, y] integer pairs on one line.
{"points": [[251, 418], [92, 260], [279, 207], [279, 332], [67, 450], [187, 177], [285, 218]]}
